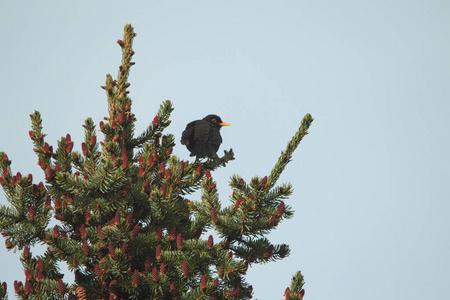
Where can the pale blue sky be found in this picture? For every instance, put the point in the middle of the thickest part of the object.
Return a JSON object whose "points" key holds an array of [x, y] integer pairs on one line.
{"points": [[371, 180]]}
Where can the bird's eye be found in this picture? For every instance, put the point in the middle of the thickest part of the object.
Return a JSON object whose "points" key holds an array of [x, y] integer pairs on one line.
{"points": [[214, 120]]}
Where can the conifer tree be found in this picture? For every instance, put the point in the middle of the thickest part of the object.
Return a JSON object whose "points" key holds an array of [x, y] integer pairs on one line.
{"points": [[125, 225]]}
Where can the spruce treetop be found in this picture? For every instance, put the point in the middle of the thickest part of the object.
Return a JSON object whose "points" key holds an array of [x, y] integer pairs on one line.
{"points": [[125, 225]]}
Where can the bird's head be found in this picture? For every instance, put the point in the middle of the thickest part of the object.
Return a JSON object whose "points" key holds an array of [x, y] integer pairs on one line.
{"points": [[215, 120]]}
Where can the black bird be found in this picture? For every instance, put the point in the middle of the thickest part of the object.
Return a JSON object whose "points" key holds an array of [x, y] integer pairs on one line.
{"points": [[202, 137]]}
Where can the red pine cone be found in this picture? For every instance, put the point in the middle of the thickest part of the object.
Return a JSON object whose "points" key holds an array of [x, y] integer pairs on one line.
{"points": [[269, 252], [124, 249], [141, 160], [180, 241], [93, 141], [27, 274], [155, 121], [135, 231], [147, 186], [158, 252], [124, 161], [75, 262], [235, 292], [214, 216], [162, 167], [19, 177], [208, 175], [85, 248], [97, 270], [17, 285], [287, 294], [13, 181], [210, 242], [301, 294], [69, 147], [264, 181], [56, 231], [173, 289], [84, 148], [182, 164], [203, 282], [83, 231], [173, 234], [185, 268], [26, 252], [87, 216], [30, 178], [163, 189], [6, 172], [273, 220], [280, 209], [49, 173], [141, 172], [167, 174], [111, 250], [135, 278], [238, 203], [159, 233], [216, 283], [68, 138], [117, 218], [121, 118], [155, 274], [40, 164], [61, 287], [129, 219], [31, 133], [32, 212], [162, 268], [47, 148], [63, 234], [57, 203], [150, 161], [198, 172], [47, 202], [57, 168], [27, 287], [102, 126], [99, 232]]}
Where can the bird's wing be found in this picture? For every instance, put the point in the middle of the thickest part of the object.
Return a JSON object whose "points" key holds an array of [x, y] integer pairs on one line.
{"points": [[187, 133]]}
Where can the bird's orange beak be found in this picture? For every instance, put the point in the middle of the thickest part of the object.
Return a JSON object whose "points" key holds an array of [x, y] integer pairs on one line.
{"points": [[224, 124]]}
